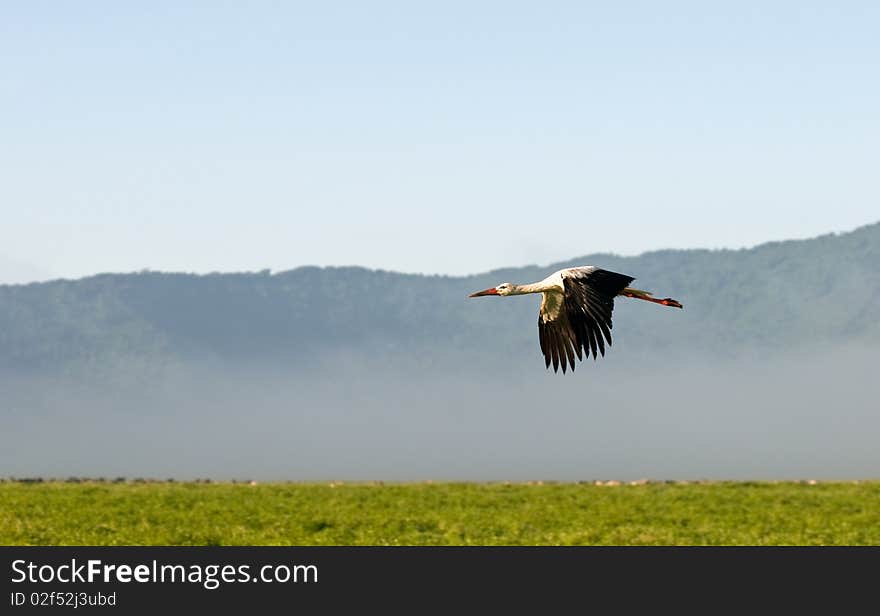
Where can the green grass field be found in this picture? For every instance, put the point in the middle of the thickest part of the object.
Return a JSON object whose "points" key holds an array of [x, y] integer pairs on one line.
{"points": [[722, 513]]}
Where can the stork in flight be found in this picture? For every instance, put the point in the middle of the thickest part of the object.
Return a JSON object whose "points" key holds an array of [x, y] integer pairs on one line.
{"points": [[576, 310]]}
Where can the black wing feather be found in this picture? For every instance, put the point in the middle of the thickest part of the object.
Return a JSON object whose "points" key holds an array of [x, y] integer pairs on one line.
{"points": [[568, 343], [556, 345], [554, 349]]}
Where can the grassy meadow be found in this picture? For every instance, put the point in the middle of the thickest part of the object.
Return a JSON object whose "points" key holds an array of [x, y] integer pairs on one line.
{"points": [[198, 513]]}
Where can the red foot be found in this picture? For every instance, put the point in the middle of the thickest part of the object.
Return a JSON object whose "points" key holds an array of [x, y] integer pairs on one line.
{"points": [[671, 302]]}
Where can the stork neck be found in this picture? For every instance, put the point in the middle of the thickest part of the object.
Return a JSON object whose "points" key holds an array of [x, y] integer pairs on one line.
{"points": [[535, 287]]}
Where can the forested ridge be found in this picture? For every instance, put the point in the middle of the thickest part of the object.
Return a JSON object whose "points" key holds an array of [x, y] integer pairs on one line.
{"points": [[790, 295]]}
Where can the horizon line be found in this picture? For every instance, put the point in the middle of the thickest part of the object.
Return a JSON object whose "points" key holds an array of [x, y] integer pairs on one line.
{"points": [[271, 272]]}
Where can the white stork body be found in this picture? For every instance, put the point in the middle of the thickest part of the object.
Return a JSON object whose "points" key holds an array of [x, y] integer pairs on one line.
{"points": [[576, 306]]}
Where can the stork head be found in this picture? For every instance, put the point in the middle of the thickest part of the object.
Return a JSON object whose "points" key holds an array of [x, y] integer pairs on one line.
{"points": [[505, 288]]}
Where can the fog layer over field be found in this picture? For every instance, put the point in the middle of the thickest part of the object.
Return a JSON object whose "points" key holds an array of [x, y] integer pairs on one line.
{"points": [[807, 416]]}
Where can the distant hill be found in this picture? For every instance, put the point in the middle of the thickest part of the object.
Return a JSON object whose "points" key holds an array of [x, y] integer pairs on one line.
{"points": [[789, 295]]}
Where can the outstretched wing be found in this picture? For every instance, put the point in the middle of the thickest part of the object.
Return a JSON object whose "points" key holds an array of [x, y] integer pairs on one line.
{"points": [[578, 320]]}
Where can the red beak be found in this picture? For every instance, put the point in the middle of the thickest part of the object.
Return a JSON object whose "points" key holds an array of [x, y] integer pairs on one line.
{"points": [[491, 291]]}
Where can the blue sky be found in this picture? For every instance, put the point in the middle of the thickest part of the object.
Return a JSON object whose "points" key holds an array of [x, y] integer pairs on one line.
{"points": [[427, 137]]}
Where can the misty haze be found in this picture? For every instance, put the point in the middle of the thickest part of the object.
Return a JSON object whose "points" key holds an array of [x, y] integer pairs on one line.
{"points": [[790, 417]]}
